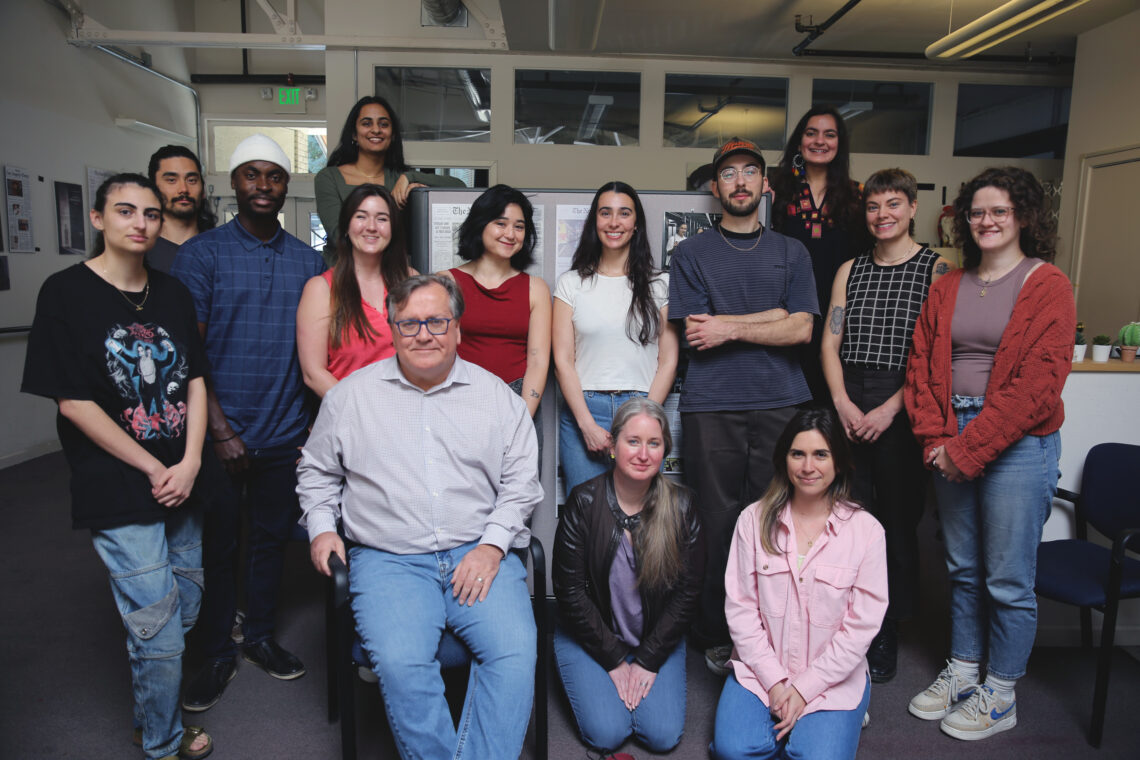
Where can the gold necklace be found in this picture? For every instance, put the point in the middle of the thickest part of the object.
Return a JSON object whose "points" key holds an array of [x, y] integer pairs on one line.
{"points": [[986, 282], [720, 229], [811, 541], [893, 261], [369, 176], [146, 290]]}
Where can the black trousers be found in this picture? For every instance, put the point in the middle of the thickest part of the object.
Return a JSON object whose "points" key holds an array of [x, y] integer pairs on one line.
{"points": [[728, 463], [890, 481]]}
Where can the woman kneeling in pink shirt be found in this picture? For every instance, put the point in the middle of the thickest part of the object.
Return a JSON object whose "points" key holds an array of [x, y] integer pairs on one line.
{"points": [[806, 592]]}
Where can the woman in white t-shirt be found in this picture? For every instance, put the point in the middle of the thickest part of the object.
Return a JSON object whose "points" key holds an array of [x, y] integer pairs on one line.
{"points": [[612, 338]]}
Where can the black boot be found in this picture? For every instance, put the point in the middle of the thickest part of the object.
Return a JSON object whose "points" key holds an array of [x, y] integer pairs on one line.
{"points": [[884, 653]]}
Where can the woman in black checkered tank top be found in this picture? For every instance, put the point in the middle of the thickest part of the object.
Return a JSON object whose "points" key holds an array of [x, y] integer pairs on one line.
{"points": [[875, 301]]}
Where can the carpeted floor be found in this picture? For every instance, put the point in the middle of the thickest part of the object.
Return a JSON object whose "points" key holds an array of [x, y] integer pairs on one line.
{"points": [[65, 690]]}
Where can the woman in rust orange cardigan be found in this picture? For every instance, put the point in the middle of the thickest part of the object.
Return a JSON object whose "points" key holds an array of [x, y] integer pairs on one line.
{"points": [[991, 353]]}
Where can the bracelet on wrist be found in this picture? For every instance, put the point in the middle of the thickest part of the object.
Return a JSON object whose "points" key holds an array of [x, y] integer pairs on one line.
{"points": [[223, 440]]}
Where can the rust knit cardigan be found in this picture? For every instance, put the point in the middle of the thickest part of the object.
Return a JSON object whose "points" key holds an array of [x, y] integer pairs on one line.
{"points": [[1023, 395]]}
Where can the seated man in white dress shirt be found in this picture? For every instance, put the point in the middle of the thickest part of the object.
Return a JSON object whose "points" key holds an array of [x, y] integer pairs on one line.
{"points": [[431, 464]]}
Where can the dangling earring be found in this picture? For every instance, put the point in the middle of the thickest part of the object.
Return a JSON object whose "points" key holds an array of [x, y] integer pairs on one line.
{"points": [[798, 164]]}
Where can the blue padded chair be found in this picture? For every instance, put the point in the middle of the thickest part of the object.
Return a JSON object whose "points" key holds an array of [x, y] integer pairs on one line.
{"points": [[341, 639], [1079, 572]]}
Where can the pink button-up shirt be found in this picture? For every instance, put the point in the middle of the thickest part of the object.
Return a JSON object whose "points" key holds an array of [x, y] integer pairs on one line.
{"points": [[811, 626]]}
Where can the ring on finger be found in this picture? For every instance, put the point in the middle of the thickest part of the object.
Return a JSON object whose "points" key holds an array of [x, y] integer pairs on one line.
{"points": [[478, 580]]}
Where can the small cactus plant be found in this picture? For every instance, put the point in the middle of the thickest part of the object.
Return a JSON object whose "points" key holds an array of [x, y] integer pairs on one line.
{"points": [[1102, 340], [1080, 339], [1129, 334]]}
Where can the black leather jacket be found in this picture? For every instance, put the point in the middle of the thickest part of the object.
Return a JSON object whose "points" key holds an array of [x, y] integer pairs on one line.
{"points": [[584, 548]]}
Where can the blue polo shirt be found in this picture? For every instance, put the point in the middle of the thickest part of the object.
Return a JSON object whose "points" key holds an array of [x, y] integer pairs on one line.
{"points": [[246, 292], [708, 275]]}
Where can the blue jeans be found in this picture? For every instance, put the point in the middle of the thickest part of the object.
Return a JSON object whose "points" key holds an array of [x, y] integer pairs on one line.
{"points": [[579, 464], [403, 604], [603, 719], [745, 729], [992, 526], [268, 488], [156, 579]]}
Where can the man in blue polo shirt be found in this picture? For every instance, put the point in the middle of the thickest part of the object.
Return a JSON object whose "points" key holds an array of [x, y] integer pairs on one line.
{"points": [[747, 297], [246, 278]]}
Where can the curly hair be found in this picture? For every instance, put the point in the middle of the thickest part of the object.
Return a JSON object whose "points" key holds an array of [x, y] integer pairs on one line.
{"points": [[488, 207], [1038, 237], [842, 193], [644, 321], [347, 151]]}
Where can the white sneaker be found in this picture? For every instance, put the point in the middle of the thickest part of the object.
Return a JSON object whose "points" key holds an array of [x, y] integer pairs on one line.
{"points": [[716, 658], [981, 715], [941, 696], [866, 719]]}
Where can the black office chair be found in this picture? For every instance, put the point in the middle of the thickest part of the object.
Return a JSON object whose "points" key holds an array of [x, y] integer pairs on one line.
{"points": [[341, 634], [1079, 572]]}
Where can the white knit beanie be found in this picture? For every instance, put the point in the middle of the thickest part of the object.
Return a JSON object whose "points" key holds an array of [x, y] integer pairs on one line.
{"points": [[259, 148]]}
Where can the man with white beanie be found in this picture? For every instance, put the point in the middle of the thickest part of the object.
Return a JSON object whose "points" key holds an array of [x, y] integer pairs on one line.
{"points": [[246, 278]]}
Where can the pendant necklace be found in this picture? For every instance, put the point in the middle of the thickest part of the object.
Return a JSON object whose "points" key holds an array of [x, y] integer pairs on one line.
{"points": [[137, 306]]}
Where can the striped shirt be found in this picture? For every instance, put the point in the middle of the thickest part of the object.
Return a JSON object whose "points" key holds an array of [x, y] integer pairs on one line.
{"points": [[412, 471], [715, 273], [246, 292], [883, 303]]}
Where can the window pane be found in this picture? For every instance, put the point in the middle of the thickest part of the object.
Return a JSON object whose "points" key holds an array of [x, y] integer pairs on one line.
{"points": [[577, 107], [439, 105], [306, 147], [1012, 121], [707, 111], [882, 117]]}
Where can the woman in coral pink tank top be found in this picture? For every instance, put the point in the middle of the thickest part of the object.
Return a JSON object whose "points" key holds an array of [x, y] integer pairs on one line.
{"points": [[342, 323], [506, 319]]}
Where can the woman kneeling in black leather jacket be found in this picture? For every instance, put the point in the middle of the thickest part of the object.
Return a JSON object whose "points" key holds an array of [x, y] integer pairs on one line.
{"points": [[628, 565]]}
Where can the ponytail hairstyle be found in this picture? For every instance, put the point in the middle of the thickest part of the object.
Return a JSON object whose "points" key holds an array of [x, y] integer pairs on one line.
{"points": [[100, 203]]}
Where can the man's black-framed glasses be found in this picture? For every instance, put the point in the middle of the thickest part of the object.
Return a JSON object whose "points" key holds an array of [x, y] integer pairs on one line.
{"points": [[410, 328]]}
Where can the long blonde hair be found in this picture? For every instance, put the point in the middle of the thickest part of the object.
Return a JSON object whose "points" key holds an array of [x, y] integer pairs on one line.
{"points": [[780, 490], [657, 542]]}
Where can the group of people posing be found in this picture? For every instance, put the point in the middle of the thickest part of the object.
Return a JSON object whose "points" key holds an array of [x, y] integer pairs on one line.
{"points": [[834, 364]]}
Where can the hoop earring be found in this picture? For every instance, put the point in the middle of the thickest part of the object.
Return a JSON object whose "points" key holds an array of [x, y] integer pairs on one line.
{"points": [[798, 164]]}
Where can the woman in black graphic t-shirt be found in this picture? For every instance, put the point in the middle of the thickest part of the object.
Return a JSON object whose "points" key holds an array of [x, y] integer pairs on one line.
{"points": [[116, 345]]}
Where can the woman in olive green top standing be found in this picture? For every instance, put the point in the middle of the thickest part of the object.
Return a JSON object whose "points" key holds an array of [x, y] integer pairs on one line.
{"points": [[370, 151]]}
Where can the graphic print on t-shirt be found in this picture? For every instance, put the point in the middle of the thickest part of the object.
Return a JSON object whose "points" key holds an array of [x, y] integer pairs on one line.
{"points": [[148, 371]]}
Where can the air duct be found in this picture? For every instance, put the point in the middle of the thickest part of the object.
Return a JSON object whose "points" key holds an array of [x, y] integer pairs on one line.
{"points": [[442, 12]]}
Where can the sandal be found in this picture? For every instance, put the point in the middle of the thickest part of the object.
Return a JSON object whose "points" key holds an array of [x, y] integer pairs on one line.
{"points": [[189, 734]]}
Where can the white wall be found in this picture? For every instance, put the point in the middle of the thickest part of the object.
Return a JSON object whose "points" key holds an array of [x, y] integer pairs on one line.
{"points": [[59, 104], [1105, 111]]}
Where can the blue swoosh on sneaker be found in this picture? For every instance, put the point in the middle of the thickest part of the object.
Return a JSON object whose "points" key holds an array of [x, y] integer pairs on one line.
{"points": [[996, 715], [964, 694]]}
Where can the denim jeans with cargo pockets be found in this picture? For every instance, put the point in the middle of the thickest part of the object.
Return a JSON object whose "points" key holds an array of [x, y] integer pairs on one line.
{"points": [[156, 578]]}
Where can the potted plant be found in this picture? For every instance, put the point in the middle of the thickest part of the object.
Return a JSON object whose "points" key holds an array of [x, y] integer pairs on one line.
{"points": [[1129, 339], [1080, 345], [1102, 347]]}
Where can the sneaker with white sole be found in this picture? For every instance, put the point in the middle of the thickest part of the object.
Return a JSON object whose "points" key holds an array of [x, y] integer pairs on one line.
{"points": [[982, 714], [866, 719], [716, 659], [938, 699]]}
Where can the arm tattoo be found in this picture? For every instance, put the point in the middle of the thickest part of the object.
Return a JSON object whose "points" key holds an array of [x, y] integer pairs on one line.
{"points": [[942, 268], [534, 393], [836, 321]]}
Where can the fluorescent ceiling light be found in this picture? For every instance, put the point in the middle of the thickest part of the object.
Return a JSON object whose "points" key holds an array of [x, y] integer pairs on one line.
{"points": [[127, 122], [997, 26], [853, 108], [596, 106]]}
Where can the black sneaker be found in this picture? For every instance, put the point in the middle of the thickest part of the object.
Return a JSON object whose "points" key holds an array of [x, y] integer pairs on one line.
{"points": [[206, 689], [274, 660], [883, 656]]}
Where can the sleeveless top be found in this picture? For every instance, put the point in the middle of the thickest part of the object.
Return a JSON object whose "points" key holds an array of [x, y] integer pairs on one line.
{"points": [[354, 352], [495, 324], [883, 304], [981, 314]]}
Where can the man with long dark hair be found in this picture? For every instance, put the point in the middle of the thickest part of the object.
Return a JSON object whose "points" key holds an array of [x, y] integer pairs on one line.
{"points": [[186, 211]]}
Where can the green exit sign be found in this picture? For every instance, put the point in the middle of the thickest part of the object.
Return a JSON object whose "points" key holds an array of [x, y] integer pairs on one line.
{"points": [[289, 100]]}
